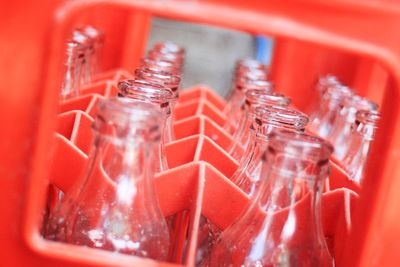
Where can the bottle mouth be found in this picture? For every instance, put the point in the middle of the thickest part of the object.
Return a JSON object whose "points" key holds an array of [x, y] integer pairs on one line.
{"points": [[93, 33], [327, 81], [248, 84], [159, 65], [360, 103], [169, 47], [281, 117], [251, 74], [300, 145], [369, 117], [162, 55], [338, 92], [168, 79], [121, 118], [250, 64], [145, 91], [265, 97]]}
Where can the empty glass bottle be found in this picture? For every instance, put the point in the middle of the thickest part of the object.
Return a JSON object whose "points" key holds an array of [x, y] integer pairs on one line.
{"points": [[254, 98], [265, 120], [341, 129], [73, 73], [248, 64], [363, 132], [233, 109], [321, 122], [114, 206], [159, 96], [282, 225]]}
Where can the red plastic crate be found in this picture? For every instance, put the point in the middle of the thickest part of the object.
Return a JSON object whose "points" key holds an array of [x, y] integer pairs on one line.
{"points": [[357, 40]]}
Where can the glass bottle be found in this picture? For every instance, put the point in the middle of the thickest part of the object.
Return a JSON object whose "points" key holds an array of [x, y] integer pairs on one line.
{"points": [[167, 79], [159, 96], [72, 80], [341, 129], [282, 225], [322, 121], [114, 206], [81, 38], [159, 65], [363, 133], [265, 120], [233, 108], [254, 98]]}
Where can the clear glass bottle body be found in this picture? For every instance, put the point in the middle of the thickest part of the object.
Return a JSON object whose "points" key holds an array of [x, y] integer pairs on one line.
{"points": [[96, 42], [113, 206], [161, 97], [266, 119], [282, 226], [73, 73], [323, 120], [341, 129], [363, 132], [254, 98], [233, 109]]}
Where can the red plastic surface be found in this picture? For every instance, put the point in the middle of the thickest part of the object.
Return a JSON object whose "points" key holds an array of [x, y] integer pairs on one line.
{"points": [[32, 56]]}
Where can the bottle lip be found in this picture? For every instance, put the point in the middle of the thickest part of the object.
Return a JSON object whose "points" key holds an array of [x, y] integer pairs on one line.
{"points": [[300, 144], [177, 60], [251, 74], [260, 97], [159, 64], [93, 33], [251, 64], [338, 92], [369, 117], [167, 78], [248, 84], [169, 47], [145, 91], [360, 103], [281, 116]]}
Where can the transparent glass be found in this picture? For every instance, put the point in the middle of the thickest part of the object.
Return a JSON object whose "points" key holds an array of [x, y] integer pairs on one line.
{"points": [[323, 83], [159, 65], [341, 129], [254, 98], [167, 79], [282, 226], [159, 96], [248, 64], [265, 120], [322, 121], [95, 44], [72, 80], [169, 47], [175, 59], [363, 132], [233, 108], [114, 206]]}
